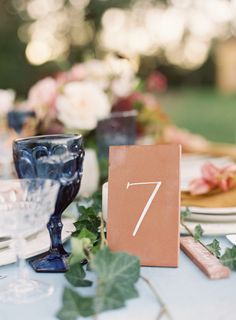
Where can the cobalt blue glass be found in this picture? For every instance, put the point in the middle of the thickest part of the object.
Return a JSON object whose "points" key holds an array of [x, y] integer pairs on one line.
{"points": [[118, 129], [58, 157], [17, 118]]}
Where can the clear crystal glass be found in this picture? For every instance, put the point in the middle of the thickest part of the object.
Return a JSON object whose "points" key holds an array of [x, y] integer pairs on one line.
{"points": [[25, 207]]}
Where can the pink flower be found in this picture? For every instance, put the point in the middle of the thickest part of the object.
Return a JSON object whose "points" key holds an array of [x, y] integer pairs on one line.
{"points": [[77, 73], [227, 177], [214, 177], [199, 186], [190, 142], [157, 82], [128, 103], [42, 97], [61, 78], [210, 173]]}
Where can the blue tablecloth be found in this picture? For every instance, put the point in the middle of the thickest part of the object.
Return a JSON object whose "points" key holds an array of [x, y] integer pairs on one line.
{"points": [[189, 294]]}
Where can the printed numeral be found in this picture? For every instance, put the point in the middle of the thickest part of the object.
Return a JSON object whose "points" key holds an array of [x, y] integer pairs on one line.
{"points": [[148, 204]]}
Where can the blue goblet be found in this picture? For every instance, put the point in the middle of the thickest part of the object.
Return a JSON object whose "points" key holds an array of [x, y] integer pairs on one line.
{"points": [[58, 157]]}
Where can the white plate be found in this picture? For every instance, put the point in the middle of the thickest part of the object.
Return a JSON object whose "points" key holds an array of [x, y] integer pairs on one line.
{"points": [[211, 217], [37, 244], [232, 238], [4, 242], [213, 211], [211, 229]]}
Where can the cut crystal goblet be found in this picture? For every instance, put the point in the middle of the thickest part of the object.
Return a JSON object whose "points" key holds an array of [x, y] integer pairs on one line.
{"points": [[25, 207]]}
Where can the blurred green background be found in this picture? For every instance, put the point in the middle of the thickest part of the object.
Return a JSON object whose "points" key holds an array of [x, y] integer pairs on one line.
{"points": [[203, 111]]}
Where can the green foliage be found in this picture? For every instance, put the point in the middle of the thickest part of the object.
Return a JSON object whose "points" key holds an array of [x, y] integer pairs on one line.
{"points": [[74, 305], [116, 274], [103, 166], [80, 249], [75, 276], [184, 214], [214, 247], [198, 232], [89, 219], [229, 258]]}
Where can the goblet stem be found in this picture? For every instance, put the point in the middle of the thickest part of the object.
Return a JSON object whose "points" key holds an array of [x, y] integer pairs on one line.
{"points": [[56, 259], [55, 229], [23, 289], [19, 246]]}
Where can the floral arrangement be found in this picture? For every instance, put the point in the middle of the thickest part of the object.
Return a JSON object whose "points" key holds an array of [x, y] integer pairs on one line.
{"points": [[214, 178], [77, 99]]}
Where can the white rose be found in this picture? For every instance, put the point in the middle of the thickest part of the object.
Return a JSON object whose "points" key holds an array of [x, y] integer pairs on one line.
{"points": [[96, 71], [123, 79], [7, 100], [81, 105], [123, 86]]}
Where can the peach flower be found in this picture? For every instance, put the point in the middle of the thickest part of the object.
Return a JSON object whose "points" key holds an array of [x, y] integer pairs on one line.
{"points": [[214, 177], [42, 96]]}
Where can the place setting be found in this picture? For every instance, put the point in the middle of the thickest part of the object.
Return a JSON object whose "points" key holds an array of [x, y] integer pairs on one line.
{"points": [[207, 190]]}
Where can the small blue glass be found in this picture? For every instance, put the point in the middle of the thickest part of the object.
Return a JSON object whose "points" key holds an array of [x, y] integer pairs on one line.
{"points": [[16, 119], [118, 129], [58, 157]]}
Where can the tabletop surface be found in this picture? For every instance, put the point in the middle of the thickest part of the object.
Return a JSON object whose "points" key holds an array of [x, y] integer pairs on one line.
{"points": [[189, 294]]}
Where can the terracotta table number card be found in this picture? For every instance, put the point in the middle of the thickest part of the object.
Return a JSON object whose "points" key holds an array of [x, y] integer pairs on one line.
{"points": [[144, 203]]}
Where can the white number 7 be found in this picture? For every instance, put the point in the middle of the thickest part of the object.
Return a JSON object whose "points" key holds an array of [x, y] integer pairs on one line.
{"points": [[147, 206]]}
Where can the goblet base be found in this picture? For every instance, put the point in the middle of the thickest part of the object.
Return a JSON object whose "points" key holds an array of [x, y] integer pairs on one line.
{"points": [[25, 291], [51, 262]]}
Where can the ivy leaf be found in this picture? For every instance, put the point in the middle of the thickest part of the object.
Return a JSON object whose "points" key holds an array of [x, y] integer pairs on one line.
{"points": [[74, 305], [198, 232], [76, 275], [85, 233], [78, 249], [229, 258], [91, 223], [185, 213], [214, 247], [116, 275], [97, 200], [88, 219]]}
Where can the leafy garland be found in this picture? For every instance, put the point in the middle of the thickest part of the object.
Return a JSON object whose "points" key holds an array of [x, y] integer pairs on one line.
{"points": [[115, 273], [228, 258]]}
